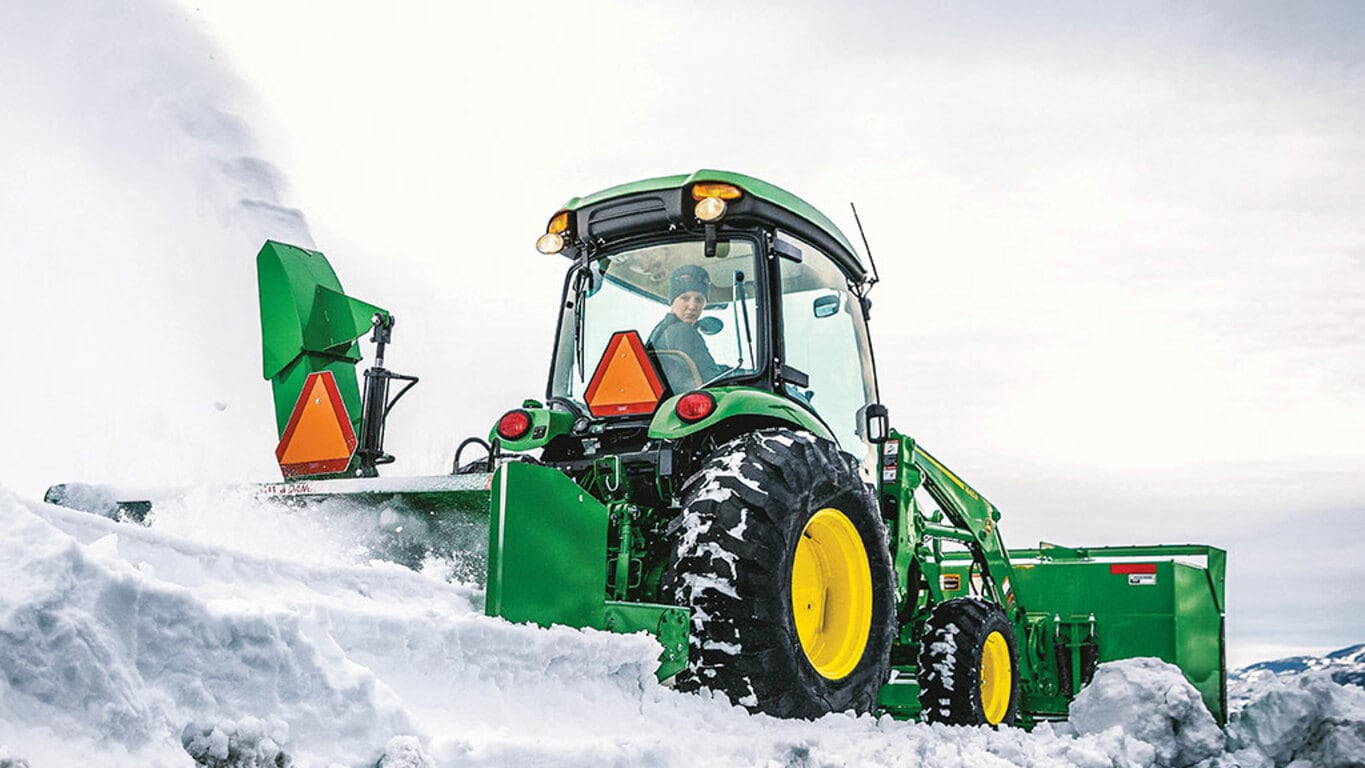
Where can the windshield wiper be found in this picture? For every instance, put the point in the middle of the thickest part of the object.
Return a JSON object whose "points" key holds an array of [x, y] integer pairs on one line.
{"points": [[580, 277], [743, 311], [738, 312]]}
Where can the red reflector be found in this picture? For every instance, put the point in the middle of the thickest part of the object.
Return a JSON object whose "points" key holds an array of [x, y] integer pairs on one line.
{"points": [[513, 425], [1133, 568], [695, 406]]}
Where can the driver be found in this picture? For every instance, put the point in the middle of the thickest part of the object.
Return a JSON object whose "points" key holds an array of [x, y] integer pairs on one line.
{"points": [[688, 289]]}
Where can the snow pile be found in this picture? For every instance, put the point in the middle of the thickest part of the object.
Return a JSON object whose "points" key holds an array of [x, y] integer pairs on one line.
{"points": [[121, 650], [1300, 720], [120, 640], [1153, 703], [141, 648], [404, 752], [248, 744]]}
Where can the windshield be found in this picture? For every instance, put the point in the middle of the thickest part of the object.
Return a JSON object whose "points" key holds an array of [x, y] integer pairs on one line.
{"points": [[696, 315]]}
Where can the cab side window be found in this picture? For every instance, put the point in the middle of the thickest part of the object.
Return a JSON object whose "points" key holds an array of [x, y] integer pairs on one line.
{"points": [[825, 337]]}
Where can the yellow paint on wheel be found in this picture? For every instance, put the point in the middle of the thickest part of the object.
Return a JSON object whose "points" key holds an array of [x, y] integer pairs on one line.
{"points": [[832, 593], [996, 678]]}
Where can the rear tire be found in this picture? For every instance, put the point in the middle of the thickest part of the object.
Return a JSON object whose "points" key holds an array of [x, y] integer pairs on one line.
{"points": [[783, 560], [969, 665]]}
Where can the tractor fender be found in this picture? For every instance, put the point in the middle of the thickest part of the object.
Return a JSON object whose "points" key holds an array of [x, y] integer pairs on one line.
{"points": [[736, 403]]}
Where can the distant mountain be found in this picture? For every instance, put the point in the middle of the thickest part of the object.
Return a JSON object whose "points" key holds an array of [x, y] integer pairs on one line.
{"points": [[1347, 666]]}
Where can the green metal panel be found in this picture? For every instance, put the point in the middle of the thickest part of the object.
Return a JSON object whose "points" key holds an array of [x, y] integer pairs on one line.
{"points": [[547, 563], [307, 325], [1200, 637], [733, 402], [756, 187], [547, 546], [287, 278], [899, 696], [336, 321]]}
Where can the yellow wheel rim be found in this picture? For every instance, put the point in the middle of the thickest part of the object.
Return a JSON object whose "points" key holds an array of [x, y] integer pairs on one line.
{"points": [[832, 593], [996, 678]]}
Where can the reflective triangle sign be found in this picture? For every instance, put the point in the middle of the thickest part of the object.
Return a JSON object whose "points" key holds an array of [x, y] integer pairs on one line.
{"points": [[319, 439], [625, 381]]}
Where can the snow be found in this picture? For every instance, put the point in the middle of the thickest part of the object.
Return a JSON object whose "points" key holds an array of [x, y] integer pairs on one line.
{"points": [[945, 650], [1142, 698], [212, 638], [1304, 719], [726, 465]]}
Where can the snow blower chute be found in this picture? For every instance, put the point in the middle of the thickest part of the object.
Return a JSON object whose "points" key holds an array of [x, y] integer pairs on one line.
{"points": [[711, 463]]}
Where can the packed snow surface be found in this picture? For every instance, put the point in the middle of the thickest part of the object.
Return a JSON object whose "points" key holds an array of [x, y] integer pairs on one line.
{"points": [[228, 634]]}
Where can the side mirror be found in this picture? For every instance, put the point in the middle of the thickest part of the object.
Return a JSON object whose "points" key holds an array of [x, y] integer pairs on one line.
{"points": [[710, 325], [876, 423], [826, 306]]}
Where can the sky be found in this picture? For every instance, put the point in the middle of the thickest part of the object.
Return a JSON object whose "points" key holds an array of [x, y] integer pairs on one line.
{"points": [[1122, 261]]}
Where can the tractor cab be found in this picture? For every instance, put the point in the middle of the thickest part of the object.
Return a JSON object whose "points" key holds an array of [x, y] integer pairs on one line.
{"points": [[715, 283]]}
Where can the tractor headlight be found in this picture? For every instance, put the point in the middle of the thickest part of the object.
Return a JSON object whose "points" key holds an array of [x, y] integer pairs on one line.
{"points": [[550, 242], [553, 239], [711, 197], [710, 208]]}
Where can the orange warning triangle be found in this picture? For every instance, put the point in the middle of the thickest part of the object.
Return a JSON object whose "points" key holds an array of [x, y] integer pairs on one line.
{"points": [[625, 381], [319, 439]]}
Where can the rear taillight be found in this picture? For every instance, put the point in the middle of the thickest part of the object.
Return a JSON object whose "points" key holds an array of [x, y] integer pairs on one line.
{"points": [[514, 425], [695, 406]]}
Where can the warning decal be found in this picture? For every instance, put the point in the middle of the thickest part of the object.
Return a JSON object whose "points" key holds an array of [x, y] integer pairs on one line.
{"points": [[1139, 574], [319, 439], [624, 381]]}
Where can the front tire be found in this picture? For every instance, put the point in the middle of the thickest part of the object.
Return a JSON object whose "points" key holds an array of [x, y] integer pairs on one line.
{"points": [[783, 560], [969, 665]]}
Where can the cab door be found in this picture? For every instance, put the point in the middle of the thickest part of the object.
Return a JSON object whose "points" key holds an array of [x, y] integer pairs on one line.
{"points": [[826, 355]]}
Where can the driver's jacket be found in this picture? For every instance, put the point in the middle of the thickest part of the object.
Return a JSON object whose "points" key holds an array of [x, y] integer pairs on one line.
{"points": [[672, 334]]}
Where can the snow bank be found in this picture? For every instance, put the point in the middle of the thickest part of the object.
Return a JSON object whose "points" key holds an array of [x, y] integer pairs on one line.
{"points": [[252, 743], [131, 646], [1152, 702], [122, 637], [107, 647], [1300, 720]]}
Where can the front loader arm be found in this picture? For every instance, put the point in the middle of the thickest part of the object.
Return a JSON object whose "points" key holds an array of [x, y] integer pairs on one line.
{"points": [[966, 518], [968, 510]]}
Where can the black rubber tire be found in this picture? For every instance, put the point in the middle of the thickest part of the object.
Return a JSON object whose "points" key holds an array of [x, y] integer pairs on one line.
{"points": [[951, 658], [734, 546]]}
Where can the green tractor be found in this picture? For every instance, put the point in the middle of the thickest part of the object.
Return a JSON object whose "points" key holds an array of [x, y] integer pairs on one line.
{"points": [[711, 463]]}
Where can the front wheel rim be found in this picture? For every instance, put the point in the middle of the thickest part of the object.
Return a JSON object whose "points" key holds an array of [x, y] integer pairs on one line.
{"points": [[996, 678], [831, 589]]}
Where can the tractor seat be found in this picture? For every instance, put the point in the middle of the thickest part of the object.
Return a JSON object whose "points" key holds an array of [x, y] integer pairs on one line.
{"points": [[679, 369]]}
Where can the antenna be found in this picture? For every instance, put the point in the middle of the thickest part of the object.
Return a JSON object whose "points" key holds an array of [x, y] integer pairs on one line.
{"points": [[873, 262]]}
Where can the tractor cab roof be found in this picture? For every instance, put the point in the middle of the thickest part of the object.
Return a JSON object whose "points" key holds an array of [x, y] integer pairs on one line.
{"points": [[663, 204]]}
